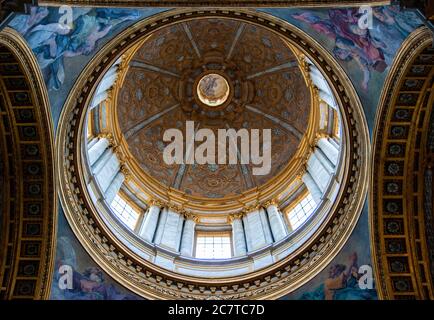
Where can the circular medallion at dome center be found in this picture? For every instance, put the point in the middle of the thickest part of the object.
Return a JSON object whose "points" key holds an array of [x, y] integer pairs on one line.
{"points": [[213, 90]]}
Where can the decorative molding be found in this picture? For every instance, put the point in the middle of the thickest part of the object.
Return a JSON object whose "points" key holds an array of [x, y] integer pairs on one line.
{"points": [[153, 282]]}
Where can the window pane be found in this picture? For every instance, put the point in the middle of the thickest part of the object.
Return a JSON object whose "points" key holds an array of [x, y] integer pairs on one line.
{"points": [[213, 246], [125, 212], [301, 212]]}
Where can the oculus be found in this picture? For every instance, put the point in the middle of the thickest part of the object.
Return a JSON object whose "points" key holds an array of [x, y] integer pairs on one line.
{"points": [[213, 90]]}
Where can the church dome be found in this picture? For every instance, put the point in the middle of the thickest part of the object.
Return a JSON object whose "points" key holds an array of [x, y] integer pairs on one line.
{"points": [[189, 215]]}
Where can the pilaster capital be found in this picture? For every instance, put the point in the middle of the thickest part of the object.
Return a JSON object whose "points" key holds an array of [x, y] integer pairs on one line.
{"points": [[235, 216], [302, 172], [155, 203], [125, 171], [271, 202], [109, 138], [248, 209], [190, 216]]}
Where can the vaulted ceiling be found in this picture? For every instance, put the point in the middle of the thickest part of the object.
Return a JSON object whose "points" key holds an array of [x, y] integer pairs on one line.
{"points": [[268, 91]]}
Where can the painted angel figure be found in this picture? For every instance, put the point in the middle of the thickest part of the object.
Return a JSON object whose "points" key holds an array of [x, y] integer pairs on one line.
{"points": [[52, 40], [23, 23], [349, 45]]}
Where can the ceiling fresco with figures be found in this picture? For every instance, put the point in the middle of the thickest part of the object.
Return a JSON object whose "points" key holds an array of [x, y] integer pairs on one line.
{"points": [[266, 90]]}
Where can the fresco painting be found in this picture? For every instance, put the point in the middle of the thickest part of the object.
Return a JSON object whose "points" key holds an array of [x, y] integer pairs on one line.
{"points": [[340, 279], [89, 282], [63, 48], [52, 40], [365, 54], [342, 283]]}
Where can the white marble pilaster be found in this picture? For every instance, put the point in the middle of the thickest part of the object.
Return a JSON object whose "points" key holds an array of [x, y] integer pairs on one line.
{"points": [[318, 80], [334, 143], [187, 242], [92, 142], [149, 226], [180, 226], [329, 150], [258, 233], [114, 187], [107, 173], [97, 149], [328, 98], [277, 223], [169, 229], [318, 172], [100, 163], [325, 162], [238, 237], [312, 187], [100, 97], [107, 83]]}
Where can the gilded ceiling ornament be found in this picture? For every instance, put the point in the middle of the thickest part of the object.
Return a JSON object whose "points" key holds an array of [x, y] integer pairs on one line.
{"points": [[125, 171], [234, 216], [109, 137], [213, 90]]}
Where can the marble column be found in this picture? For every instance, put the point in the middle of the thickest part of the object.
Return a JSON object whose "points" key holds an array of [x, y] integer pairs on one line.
{"points": [[277, 224], [149, 226], [325, 161], [312, 187], [114, 187], [169, 229], [187, 242], [328, 98], [107, 173], [100, 97], [329, 150], [97, 149], [258, 233], [238, 237], [318, 173]]}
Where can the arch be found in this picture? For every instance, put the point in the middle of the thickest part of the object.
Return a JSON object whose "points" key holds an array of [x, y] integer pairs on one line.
{"points": [[153, 282], [401, 192], [28, 195]]}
